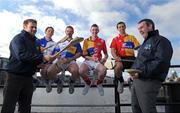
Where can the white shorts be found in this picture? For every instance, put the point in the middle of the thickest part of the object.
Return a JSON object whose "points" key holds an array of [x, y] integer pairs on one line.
{"points": [[91, 64], [66, 65]]}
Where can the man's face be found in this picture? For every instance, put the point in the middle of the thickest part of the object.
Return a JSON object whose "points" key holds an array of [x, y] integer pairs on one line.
{"points": [[94, 31], [69, 32], [49, 33], [144, 29], [31, 28], [121, 28]]}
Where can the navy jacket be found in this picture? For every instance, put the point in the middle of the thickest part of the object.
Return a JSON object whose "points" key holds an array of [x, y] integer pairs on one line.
{"points": [[154, 57], [24, 55]]}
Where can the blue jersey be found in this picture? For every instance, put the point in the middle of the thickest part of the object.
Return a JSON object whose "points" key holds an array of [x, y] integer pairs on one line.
{"points": [[44, 43]]}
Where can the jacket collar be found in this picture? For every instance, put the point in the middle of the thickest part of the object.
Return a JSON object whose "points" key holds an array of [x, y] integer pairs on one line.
{"points": [[28, 35], [152, 33]]}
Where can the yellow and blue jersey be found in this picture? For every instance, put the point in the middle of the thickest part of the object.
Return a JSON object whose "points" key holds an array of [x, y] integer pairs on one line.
{"points": [[71, 51]]}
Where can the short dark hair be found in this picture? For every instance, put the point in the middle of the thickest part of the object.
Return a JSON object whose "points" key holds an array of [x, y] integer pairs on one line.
{"points": [[148, 22], [49, 27], [94, 25], [70, 27], [120, 23], [29, 20]]}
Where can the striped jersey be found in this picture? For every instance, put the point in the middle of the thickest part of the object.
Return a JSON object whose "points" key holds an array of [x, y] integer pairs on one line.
{"points": [[124, 46], [71, 51], [44, 43], [94, 47]]}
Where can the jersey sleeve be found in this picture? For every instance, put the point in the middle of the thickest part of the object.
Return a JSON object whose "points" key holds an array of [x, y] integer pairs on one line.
{"points": [[104, 47], [56, 49], [136, 42], [79, 49], [85, 47], [113, 44]]}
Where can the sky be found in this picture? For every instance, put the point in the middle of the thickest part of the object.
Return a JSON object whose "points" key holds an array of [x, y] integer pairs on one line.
{"points": [[81, 14]]}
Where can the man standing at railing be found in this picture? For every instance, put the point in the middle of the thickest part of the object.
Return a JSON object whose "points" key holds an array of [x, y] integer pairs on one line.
{"points": [[153, 63], [122, 47], [23, 61]]}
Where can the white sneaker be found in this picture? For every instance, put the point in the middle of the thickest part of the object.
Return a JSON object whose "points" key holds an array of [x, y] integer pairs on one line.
{"points": [[86, 89], [120, 87], [100, 89]]}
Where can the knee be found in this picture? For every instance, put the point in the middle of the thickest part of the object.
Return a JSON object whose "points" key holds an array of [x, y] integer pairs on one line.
{"points": [[75, 70], [118, 66], [81, 70], [51, 74], [103, 70]]}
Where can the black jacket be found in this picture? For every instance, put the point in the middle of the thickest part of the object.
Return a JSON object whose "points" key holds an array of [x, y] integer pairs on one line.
{"points": [[24, 55], [154, 57]]}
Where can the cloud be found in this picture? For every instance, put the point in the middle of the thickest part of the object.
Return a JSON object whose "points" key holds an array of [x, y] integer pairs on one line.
{"points": [[57, 23], [126, 6], [10, 24], [107, 18], [82, 13], [176, 53], [167, 18], [30, 10], [81, 7]]}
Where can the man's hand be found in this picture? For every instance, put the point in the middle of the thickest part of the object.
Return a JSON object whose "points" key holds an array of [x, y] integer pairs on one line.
{"points": [[102, 61], [91, 58], [134, 75], [117, 59], [42, 49], [64, 60], [95, 59], [41, 66], [49, 58]]}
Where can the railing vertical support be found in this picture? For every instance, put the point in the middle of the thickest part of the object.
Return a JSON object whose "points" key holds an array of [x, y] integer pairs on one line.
{"points": [[117, 98]]}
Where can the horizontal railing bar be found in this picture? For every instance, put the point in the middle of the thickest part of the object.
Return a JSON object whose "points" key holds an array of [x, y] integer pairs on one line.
{"points": [[172, 66], [71, 105], [80, 85], [104, 85], [90, 105], [158, 104]]}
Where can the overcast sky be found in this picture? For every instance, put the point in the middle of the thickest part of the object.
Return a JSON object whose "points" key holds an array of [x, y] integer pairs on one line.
{"points": [[82, 13]]}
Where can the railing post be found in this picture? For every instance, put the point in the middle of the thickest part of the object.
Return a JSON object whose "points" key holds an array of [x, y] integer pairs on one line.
{"points": [[116, 95]]}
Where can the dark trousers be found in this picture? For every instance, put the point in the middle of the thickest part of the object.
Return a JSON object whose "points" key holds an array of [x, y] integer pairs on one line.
{"points": [[17, 89], [126, 65], [144, 94]]}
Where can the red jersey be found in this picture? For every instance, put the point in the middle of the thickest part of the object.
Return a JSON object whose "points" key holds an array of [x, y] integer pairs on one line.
{"points": [[124, 46]]}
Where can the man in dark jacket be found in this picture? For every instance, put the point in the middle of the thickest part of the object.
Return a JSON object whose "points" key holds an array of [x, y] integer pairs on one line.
{"points": [[153, 61], [23, 61]]}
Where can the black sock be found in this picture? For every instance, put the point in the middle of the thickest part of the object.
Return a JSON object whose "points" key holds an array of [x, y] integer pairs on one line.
{"points": [[120, 79]]}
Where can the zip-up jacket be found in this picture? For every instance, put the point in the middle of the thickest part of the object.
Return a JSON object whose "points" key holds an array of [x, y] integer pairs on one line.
{"points": [[24, 55], [154, 57]]}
